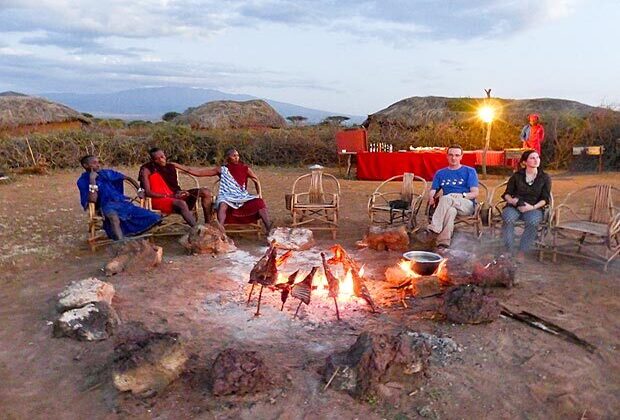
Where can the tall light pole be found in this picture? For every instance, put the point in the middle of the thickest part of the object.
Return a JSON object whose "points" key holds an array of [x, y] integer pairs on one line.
{"points": [[486, 114]]}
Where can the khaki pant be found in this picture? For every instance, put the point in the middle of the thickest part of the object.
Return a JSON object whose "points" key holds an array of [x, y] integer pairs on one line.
{"points": [[443, 219]]}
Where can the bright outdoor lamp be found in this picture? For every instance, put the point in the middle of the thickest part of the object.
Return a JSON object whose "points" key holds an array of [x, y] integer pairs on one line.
{"points": [[486, 114]]}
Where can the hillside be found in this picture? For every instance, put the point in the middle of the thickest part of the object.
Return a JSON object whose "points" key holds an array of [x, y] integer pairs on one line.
{"points": [[152, 103]]}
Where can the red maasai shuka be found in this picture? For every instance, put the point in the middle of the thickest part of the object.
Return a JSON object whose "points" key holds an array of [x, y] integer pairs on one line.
{"points": [[158, 185], [248, 213]]}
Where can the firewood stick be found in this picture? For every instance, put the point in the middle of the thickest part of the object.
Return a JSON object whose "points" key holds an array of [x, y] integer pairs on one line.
{"points": [[332, 378], [298, 306], [260, 295], [251, 291], [337, 311]]}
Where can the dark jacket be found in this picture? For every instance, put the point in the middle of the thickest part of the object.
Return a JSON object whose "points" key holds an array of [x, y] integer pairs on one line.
{"points": [[531, 194]]}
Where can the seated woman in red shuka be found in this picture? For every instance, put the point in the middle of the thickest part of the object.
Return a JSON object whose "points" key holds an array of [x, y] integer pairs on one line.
{"points": [[234, 203]]}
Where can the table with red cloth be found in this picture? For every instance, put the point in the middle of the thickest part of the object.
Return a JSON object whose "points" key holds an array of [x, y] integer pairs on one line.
{"points": [[379, 166], [494, 157]]}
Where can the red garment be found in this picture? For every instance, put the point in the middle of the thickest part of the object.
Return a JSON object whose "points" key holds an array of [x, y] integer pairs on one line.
{"points": [[248, 213], [536, 137], [158, 185]]}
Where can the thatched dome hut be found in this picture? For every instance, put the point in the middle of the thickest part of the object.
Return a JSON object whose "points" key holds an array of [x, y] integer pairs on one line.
{"points": [[232, 114], [22, 113], [421, 111]]}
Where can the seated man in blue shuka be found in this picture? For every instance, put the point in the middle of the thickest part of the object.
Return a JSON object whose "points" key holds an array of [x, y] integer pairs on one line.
{"points": [[104, 187]]}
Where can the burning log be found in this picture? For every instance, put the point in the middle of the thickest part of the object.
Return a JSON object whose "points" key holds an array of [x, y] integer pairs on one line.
{"points": [[457, 269], [303, 290], [332, 283], [265, 273], [285, 288], [359, 288]]}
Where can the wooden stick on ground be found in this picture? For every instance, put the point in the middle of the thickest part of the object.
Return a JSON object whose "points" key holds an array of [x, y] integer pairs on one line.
{"points": [[548, 327], [332, 378]]}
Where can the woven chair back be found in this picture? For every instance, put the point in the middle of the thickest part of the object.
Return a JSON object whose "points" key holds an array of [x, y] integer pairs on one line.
{"points": [[602, 208]]}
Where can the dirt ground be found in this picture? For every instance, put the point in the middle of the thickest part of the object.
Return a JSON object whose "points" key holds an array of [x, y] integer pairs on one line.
{"points": [[503, 369]]}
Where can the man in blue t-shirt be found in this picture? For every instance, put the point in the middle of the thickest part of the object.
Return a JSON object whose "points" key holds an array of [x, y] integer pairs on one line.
{"points": [[460, 189]]}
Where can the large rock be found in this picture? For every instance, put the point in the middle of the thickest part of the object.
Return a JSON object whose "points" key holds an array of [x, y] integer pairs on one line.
{"points": [[297, 239], [376, 360], [238, 372], [145, 362], [134, 256], [493, 272], [207, 239], [92, 322], [469, 304], [390, 238], [80, 293]]}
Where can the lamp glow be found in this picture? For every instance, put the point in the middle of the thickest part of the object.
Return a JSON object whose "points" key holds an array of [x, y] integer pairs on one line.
{"points": [[486, 114]]}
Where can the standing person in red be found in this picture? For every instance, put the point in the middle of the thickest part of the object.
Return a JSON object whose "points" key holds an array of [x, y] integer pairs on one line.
{"points": [[234, 203], [160, 182], [533, 134]]}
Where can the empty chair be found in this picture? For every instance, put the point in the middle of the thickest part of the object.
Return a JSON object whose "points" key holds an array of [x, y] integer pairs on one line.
{"points": [[315, 201], [588, 217], [397, 203]]}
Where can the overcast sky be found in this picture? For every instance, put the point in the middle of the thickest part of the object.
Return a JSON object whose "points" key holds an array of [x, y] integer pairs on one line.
{"points": [[347, 56]]}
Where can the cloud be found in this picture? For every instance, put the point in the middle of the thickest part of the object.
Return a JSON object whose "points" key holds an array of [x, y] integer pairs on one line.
{"points": [[394, 21], [35, 73]]}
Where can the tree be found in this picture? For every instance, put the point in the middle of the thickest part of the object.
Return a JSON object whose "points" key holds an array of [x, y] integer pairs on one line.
{"points": [[169, 116], [335, 120], [296, 120]]}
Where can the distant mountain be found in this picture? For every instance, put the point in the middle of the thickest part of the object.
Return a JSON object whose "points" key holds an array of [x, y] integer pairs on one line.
{"points": [[152, 103]]}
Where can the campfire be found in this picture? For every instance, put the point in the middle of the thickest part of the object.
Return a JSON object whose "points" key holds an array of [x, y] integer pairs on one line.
{"points": [[330, 283]]}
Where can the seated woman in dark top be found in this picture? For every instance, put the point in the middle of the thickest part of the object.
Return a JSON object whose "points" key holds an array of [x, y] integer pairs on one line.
{"points": [[527, 192]]}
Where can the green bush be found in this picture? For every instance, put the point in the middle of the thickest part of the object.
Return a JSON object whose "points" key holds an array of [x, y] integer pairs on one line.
{"points": [[120, 144]]}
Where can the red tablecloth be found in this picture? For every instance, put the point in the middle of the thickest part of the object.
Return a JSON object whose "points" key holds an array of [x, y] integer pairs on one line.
{"points": [[494, 157], [377, 166]]}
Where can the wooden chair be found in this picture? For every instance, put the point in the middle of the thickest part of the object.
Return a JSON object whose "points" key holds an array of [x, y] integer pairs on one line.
{"points": [[173, 224], [96, 235], [494, 215], [254, 228], [475, 220], [379, 210], [315, 201], [588, 216]]}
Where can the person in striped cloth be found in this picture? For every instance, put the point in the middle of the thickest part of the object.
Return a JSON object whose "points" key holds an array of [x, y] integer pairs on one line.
{"points": [[234, 203]]}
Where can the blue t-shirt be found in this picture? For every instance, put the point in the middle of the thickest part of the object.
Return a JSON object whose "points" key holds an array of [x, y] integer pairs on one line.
{"points": [[455, 180]]}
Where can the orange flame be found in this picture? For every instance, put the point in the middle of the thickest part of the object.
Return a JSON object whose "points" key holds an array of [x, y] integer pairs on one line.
{"points": [[406, 267]]}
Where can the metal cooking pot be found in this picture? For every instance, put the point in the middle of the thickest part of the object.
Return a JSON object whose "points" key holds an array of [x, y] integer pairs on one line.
{"points": [[423, 263]]}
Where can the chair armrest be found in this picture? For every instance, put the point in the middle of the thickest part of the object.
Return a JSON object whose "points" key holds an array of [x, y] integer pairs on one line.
{"points": [[92, 211], [614, 225], [555, 216]]}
